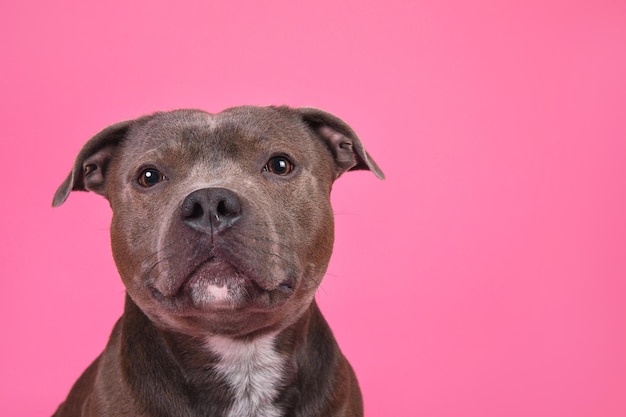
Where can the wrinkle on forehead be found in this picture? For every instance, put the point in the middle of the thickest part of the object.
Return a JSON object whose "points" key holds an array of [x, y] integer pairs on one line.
{"points": [[195, 138], [219, 135]]}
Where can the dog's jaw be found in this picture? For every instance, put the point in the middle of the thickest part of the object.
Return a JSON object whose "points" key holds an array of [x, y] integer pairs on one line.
{"points": [[253, 370]]}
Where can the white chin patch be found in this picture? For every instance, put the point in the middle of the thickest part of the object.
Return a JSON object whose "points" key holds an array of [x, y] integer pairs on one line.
{"points": [[217, 292], [212, 293]]}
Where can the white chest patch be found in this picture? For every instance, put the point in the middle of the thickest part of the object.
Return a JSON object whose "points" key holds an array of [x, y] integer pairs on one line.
{"points": [[254, 372]]}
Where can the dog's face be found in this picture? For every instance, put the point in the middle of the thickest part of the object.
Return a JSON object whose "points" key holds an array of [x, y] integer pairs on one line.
{"points": [[221, 223]]}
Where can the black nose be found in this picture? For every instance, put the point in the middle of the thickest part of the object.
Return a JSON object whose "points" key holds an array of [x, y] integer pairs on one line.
{"points": [[211, 210]]}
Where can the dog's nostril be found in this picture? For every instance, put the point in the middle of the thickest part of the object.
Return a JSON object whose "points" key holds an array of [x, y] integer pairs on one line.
{"points": [[228, 208], [196, 211], [192, 209]]}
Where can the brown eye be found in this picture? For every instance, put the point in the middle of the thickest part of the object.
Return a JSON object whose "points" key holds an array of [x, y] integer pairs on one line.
{"points": [[279, 165], [150, 177]]}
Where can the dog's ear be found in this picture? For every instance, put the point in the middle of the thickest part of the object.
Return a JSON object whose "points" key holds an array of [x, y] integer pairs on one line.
{"points": [[90, 168], [344, 144]]}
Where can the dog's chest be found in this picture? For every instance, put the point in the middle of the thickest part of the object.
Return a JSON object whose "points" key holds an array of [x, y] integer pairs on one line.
{"points": [[254, 372]]}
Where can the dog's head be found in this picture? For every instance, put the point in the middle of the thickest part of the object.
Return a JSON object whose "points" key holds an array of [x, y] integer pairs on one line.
{"points": [[221, 223]]}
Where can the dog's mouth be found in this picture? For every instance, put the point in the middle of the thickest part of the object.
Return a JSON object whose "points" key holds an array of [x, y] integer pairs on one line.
{"points": [[217, 284]]}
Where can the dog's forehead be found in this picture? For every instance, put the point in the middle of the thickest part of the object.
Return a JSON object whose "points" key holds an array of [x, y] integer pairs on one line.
{"points": [[231, 132]]}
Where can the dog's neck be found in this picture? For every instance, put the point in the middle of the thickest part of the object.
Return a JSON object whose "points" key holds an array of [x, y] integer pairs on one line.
{"points": [[230, 377], [264, 376], [254, 371]]}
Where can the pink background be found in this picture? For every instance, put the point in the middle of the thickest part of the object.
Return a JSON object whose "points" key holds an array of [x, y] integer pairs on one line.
{"points": [[485, 277]]}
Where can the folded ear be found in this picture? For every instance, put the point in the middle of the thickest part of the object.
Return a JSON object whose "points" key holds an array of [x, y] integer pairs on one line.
{"points": [[341, 140], [92, 162]]}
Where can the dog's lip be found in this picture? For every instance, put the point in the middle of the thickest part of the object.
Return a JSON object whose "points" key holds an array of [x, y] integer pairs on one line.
{"points": [[287, 286], [213, 271], [218, 272]]}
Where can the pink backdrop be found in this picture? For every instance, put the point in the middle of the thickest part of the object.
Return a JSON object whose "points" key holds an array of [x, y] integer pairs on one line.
{"points": [[485, 277]]}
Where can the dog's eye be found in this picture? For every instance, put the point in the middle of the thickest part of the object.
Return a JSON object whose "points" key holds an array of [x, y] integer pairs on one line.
{"points": [[150, 177], [279, 165]]}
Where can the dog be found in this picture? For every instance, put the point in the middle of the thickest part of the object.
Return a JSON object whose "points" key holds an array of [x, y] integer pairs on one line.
{"points": [[222, 230]]}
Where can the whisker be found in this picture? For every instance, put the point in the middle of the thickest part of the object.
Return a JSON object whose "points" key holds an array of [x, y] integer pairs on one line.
{"points": [[247, 238], [167, 258], [344, 213], [157, 252], [265, 239], [269, 253]]}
